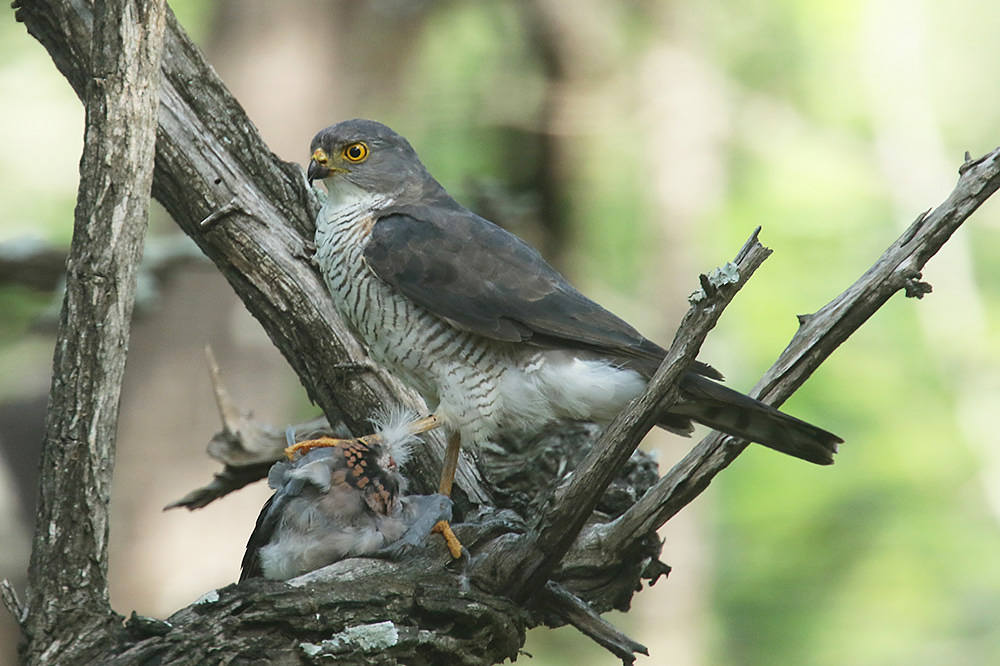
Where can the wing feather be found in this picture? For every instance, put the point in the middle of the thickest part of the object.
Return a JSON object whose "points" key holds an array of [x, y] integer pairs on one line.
{"points": [[483, 279]]}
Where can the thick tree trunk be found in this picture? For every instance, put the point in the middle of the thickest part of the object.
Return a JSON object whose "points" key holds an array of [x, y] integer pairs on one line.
{"points": [[67, 580], [252, 215]]}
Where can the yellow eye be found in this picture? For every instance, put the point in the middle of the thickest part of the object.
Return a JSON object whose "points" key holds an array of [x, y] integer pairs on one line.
{"points": [[356, 152], [319, 157]]}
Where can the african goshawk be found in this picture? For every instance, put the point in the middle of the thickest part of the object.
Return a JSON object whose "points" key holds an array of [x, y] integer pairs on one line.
{"points": [[480, 325]]}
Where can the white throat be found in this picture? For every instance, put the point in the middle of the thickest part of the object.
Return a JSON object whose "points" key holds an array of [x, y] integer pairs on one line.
{"points": [[345, 199]]}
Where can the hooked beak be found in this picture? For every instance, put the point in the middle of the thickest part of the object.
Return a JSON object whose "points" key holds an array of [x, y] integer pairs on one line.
{"points": [[316, 171]]}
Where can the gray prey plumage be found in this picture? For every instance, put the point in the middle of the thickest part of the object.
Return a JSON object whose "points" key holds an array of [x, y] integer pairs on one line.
{"points": [[340, 501], [478, 323]]}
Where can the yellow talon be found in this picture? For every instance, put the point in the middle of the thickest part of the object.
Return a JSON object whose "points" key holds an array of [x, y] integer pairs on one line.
{"points": [[454, 545], [305, 446], [308, 445]]}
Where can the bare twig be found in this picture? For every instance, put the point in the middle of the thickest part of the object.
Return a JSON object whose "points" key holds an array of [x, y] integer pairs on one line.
{"points": [[538, 553], [558, 599], [233, 206], [243, 440], [817, 337], [10, 601], [230, 479], [245, 445]]}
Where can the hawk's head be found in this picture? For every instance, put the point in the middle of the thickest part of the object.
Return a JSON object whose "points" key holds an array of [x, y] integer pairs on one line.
{"points": [[367, 154]]}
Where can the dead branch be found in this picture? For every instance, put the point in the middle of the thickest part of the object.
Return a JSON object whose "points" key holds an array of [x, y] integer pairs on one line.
{"points": [[252, 215], [898, 269], [532, 560]]}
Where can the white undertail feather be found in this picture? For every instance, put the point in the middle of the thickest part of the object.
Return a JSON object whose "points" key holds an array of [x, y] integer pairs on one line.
{"points": [[557, 385]]}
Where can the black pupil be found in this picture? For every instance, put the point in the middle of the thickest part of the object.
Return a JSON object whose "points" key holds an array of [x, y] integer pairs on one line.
{"points": [[354, 152]]}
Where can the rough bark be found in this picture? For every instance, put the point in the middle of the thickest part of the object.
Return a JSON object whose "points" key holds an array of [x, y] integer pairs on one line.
{"points": [[67, 579], [252, 215]]}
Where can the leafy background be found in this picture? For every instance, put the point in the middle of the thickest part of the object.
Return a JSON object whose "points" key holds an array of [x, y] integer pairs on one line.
{"points": [[637, 143]]}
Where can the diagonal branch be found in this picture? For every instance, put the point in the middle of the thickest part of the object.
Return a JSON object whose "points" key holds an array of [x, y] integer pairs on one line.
{"points": [[818, 336], [538, 553], [559, 600]]}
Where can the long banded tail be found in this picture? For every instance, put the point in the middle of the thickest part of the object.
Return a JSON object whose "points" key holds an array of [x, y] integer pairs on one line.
{"points": [[712, 404]]}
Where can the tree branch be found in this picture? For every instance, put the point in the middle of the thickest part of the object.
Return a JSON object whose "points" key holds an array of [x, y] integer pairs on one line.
{"points": [[36, 265], [67, 579], [535, 555], [414, 612], [582, 616], [252, 215], [818, 336], [31, 264]]}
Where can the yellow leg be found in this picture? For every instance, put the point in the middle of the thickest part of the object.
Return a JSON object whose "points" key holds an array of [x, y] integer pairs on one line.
{"points": [[305, 446], [447, 480], [450, 464], [308, 445], [454, 545]]}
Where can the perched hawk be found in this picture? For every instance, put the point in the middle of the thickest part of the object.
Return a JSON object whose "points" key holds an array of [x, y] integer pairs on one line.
{"points": [[480, 325]]}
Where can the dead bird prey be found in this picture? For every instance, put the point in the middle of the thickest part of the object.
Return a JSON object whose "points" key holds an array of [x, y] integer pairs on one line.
{"points": [[346, 499]]}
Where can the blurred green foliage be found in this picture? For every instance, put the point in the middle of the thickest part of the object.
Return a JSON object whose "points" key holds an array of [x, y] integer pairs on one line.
{"points": [[893, 555]]}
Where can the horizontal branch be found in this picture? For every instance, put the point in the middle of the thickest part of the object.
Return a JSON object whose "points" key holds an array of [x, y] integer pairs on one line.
{"points": [[410, 612], [40, 266], [31, 263]]}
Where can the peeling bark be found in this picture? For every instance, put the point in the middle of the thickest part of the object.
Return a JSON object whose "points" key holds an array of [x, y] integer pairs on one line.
{"points": [[252, 215]]}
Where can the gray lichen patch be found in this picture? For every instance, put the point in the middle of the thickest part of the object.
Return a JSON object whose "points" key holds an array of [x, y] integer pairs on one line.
{"points": [[365, 638]]}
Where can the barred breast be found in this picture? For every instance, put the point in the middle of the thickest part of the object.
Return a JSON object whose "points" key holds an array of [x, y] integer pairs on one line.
{"points": [[457, 373], [475, 385]]}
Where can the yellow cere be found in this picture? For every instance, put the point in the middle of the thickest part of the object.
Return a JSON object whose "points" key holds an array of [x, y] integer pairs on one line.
{"points": [[320, 157]]}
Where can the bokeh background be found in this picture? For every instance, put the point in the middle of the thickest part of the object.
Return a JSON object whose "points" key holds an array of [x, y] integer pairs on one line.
{"points": [[637, 143]]}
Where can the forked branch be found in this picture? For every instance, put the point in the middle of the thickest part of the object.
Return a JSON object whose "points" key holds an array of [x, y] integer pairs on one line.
{"points": [[252, 215]]}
